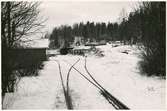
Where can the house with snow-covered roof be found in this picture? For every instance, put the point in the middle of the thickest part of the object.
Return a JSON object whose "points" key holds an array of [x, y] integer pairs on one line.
{"points": [[32, 52]]}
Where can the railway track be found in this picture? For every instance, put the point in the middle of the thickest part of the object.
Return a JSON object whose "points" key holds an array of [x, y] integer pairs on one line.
{"points": [[117, 104], [66, 89], [111, 99]]}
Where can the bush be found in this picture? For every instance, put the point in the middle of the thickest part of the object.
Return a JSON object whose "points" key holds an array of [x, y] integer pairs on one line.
{"points": [[153, 64], [153, 38], [64, 51], [33, 70]]}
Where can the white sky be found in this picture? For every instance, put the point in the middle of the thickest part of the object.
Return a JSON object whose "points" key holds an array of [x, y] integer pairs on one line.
{"points": [[70, 12]]}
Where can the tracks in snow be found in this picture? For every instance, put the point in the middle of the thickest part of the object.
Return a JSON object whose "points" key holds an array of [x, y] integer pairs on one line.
{"points": [[66, 89], [110, 98]]}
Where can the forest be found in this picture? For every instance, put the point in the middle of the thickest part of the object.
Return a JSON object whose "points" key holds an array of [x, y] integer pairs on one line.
{"points": [[145, 27]]}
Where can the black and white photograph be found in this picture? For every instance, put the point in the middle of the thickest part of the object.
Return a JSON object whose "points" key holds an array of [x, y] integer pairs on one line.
{"points": [[83, 55]]}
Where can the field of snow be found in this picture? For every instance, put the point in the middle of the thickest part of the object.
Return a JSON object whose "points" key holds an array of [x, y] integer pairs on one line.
{"points": [[117, 72]]}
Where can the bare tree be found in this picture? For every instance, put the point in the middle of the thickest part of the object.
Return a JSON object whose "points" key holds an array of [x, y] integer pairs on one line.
{"points": [[18, 20], [123, 15]]}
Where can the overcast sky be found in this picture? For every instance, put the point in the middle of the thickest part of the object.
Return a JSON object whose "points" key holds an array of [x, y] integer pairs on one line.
{"points": [[61, 13]]}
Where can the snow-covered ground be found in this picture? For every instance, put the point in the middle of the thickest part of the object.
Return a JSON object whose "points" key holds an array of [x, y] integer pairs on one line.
{"points": [[36, 42], [117, 72]]}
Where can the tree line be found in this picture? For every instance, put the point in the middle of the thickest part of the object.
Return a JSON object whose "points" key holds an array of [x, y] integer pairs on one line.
{"points": [[91, 30], [146, 25]]}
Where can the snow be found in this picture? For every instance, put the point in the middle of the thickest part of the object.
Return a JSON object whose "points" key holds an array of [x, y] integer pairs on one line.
{"points": [[82, 47], [40, 92], [124, 81], [52, 52], [84, 94], [37, 43], [40, 43], [117, 72]]}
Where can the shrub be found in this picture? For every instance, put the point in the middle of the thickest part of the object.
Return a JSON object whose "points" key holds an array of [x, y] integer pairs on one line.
{"points": [[64, 51], [153, 63], [153, 38]]}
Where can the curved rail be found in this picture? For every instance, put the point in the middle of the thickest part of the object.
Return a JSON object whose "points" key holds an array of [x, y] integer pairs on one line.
{"points": [[61, 77], [111, 99], [66, 91], [70, 106], [84, 76]]}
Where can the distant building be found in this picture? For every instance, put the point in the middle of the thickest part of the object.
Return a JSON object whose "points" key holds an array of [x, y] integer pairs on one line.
{"points": [[79, 41], [102, 42]]}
